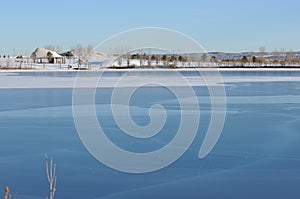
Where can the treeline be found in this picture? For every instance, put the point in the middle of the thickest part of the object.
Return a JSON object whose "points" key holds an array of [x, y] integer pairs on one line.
{"points": [[157, 59], [258, 59]]}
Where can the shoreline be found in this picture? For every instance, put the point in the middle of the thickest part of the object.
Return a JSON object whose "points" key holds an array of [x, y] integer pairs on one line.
{"points": [[155, 70]]}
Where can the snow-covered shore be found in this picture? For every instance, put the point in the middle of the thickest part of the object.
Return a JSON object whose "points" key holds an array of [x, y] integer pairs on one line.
{"points": [[105, 62], [148, 69]]}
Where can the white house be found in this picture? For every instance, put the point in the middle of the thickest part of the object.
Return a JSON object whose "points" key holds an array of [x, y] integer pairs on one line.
{"points": [[41, 55]]}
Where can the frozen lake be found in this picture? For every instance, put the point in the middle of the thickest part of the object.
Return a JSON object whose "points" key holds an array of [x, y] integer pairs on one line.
{"points": [[257, 155]]}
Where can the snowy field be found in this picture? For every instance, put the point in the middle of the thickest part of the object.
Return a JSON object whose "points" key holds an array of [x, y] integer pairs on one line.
{"points": [[99, 61]]}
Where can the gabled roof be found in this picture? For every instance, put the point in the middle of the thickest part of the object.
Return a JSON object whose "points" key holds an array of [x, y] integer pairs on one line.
{"points": [[42, 53]]}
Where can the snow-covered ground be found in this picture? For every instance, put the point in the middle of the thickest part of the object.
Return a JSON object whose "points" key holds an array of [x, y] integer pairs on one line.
{"points": [[100, 61]]}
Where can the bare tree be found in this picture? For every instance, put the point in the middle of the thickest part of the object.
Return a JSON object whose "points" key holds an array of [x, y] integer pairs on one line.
{"points": [[8, 61], [165, 59], [276, 56], [262, 50], [140, 57], [88, 53], [20, 60], [254, 59], [83, 53], [123, 53], [174, 60], [58, 49], [49, 47], [157, 59], [289, 57], [51, 175], [127, 56], [204, 57], [282, 56], [120, 60], [79, 52], [144, 58], [182, 59], [198, 59], [148, 58]]}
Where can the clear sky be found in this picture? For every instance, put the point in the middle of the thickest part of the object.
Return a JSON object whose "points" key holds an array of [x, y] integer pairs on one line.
{"points": [[219, 25]]}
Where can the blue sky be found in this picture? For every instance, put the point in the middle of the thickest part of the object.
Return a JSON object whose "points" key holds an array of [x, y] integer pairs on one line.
{"points": [[229, 26]]}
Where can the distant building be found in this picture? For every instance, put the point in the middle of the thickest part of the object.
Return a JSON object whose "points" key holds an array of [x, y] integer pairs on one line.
{"points": [[41, 56]]}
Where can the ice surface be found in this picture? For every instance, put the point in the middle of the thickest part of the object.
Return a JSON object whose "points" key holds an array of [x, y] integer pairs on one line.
{"points": [[63, 79], [257, 155]]}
